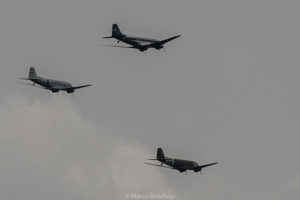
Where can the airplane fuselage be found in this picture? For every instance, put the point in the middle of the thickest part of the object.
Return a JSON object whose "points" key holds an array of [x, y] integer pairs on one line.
{"points": [[136, 42], [53, 85], [181, 165]]}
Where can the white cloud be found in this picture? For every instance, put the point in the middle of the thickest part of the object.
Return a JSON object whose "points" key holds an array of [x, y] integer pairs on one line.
{"points": [[49, 151]]}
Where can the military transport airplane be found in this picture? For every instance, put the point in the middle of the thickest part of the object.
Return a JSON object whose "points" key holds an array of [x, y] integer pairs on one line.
{"points": [[177, 164], [141, 44], [49, 84]]}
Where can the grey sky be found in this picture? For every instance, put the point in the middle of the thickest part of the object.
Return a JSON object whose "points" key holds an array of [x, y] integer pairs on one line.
{"points": [[227, 90]]}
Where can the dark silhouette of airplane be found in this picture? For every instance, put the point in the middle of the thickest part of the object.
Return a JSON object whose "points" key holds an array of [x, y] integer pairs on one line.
{"points": [[141, 44], [49, 84], [177, 164]]}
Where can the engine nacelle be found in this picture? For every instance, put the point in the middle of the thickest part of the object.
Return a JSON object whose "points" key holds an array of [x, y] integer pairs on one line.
{"points": [[197, 169], [143, 49], [70, 91], [54, 90], [48, 84]]}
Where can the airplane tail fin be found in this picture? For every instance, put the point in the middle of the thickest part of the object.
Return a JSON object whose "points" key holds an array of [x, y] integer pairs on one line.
{"points": [[116, 31], [32, 73], [160, 154]]}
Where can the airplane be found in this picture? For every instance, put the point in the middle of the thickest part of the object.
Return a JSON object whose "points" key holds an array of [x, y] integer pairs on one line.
{"points": [[142, 44], [49, 84], [177, 164]]}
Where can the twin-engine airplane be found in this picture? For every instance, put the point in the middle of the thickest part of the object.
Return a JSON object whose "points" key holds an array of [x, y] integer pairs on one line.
{"points": [[49, 84], [141, 44], [177, 164]]}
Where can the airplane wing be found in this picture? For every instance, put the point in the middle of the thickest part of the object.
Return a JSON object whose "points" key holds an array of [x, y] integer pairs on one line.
{"points": [[78, 87], [130, 47], [139, 40], [199, 168], [159, 43], [163, 166], [33, 85], [207, 165], [168, 40]]}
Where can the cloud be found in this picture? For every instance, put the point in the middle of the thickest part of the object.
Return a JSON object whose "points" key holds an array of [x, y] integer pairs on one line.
{"points": [[48, 151]]}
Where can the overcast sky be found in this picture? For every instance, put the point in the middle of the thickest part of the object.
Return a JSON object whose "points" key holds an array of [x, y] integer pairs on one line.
{"points": [[227, 91]]}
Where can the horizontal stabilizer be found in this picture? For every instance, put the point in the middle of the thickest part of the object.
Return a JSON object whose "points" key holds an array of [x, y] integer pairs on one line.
{"points": [[29, 79], [108, 37], [33, 85], [152, 159], [160, 165]]}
